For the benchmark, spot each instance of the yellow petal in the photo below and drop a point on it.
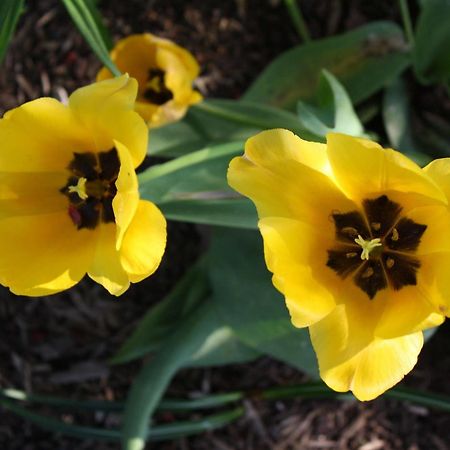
(285, 187)
(147, 111)
(280, 146)
(134, 55)
(106, 108)
(350, 358)
(434, 279)
(363, 169)
(126, 200)
(436, 237)
(169, 112)
(24, 194)
(144, 242)
(292, 254)
(106, 268)
(41, 136)
(406, 311)
(137, 55)
(43, 254)
(184, 56)
(181, 70)
(439, 171)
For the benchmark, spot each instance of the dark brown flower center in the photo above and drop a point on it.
(91, 188)
(390, 241)
(156, 90)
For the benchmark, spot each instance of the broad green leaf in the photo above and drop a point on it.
(150, 384)
(216, 121)
(175, 139)
(248, 302)
(249, 114)
(364, 60)
(193, 188)
(235, 212)
(397, 122)
(162, 319)
(432, 41)
(333, 111)
(88, 21)
(10, 11)
(222, 347)
(422, 140)
(189, 176)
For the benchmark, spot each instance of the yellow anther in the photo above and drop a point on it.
(368, 273)
(395, 235)
(80, 188)
(350, 231)
(376, 226)
(367, 246)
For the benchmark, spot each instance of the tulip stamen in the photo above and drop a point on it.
(367, 246)
(384, 240)
(79, 188)
(156, 91)
(395, 235)
(91, 188)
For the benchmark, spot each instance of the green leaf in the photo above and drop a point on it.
(222, 347)
(233, 212)
(165, 432)
(162, 319)
(364, 60)
(397, 122)
(216, 121)
(175, 139)
(194, 188)
(431, 51)
(150, 384)
(105, 35)
(248, 116)
(190, 176)
(426, 138)
(10, 11)
(88, 21)
(168, 404)
(333, 111)
(248, 302)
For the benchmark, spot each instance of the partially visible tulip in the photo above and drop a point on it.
(165, 73)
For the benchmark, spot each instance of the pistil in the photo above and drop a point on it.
(367, 246)
(80, 188)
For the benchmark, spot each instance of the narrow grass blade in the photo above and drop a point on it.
(157, 433)
(88, 23)
(10, 11)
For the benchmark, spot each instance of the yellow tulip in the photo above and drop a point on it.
(165, 73)
(358, 240)
(69, 201)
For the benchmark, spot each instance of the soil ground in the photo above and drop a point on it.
(61, 344)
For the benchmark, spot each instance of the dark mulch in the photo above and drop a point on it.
(61, 344)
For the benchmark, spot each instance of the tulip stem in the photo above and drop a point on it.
(407, 24)
(297, 19)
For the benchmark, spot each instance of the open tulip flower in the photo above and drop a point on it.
(358, 240)
(165, 73)
(69, 194)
